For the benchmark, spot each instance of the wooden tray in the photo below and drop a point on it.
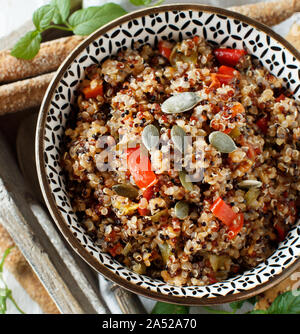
(72, 284)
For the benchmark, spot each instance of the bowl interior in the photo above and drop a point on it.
(217, 27)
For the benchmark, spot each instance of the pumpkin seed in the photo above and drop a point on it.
(222, 142)
(156, 217)
(185, 181)
(180, 103)
(150, 136)
(126, 190)
(177, 136)
(250, 183)
(181, 210)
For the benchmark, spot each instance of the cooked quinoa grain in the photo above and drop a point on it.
(212, 224)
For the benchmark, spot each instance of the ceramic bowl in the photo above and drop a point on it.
(172, 22)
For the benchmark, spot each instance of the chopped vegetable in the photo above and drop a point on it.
(226, 74)
(143, 212)
(165, 48)
(227, 70)
(140, 169)
(251, 196)
(228, 114)
(219, 262)
(223, 211)
(166, 251)
(280, 231)
(235, 133)
(262, 123)
(127, 249)
(157, 216)
(228, 217)
(116, 250)
(224, 78)
(93, 92)
(181, 210)
(280, 98)
(148, 193)
(229, 57)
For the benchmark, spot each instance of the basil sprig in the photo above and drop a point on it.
(5, 292)
(58, 15)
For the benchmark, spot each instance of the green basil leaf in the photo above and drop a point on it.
(85, 21)
(62, 11)
(3, 307)
(43, 16)
(237, 305)
(7, 251)
(165, 308)
(141, 2)
(28, 46)
(259, 312)
(286, 303)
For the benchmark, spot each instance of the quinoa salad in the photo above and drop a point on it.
(183, 161)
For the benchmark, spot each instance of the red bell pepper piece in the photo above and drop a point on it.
(228, 217)
(225, 75)
(93, 92)
(116, 249)
(262, 123)
(280, 232)
(140, 169)
(165, 48)
(148, 193)
(223, 211)
(196, 39)
(229, 57)
(215, 83)
(227, 70)
(143, 212)
(224, 78)
(212, 278)
(280, 97)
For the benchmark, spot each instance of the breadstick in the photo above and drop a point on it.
(294, 35)
(269, 13)
(19, 267)
(49, 58)
(23, 94)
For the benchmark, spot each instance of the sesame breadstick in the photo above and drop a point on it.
(269, 13)
(49, 58)
(24, 94)
(294, 35)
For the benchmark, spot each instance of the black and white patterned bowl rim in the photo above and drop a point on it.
(171, 25)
